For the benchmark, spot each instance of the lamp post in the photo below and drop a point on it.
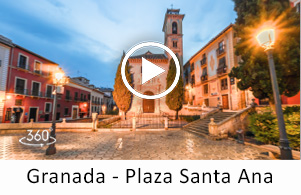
(59, 80)
(266, 39)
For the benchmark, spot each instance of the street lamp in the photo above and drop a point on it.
(266, 39)
(59, 80)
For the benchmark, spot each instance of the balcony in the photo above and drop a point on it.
(204, 78)
(21, 91)
(37, 72)
(36, 93)
(68, 98)
(48, 95)
(224, 87)
(22, 67)
(221, 70)
(203, 61)
(221, 50)
(76, 99)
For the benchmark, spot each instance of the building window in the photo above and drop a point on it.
(221, 47)
(192, 67)
(68, 96)
(8, 114)
(0, 63)
(35, 91)
(66, 112)
(37, 67)
(174, 28)
(58, 105)
(224, 84)
(22, 61)
(82, 97)
(75, 96)
(192, 80)
(89, 97)
(20, 86)
(47, 107)
(206, 89)
(175, 44)
(18, 102)
(49, 91)
(85, 98)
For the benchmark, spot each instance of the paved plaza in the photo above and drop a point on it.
(139, 145)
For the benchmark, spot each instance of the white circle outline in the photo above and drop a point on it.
(146, 44)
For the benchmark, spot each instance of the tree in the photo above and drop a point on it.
(122, 96)
(253, 70)
(174, 100)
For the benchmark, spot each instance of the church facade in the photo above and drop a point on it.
(173, 39)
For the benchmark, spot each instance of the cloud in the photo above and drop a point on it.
(97, 32)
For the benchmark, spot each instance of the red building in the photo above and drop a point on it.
(75, 102)
(29, 86)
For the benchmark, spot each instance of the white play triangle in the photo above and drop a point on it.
(150, 70)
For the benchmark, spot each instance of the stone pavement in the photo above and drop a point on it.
(140, 145)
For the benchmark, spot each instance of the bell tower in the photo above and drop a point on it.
(173, 33)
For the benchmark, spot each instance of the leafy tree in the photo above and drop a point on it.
(253, 70)
(174, 100)
(122, 96)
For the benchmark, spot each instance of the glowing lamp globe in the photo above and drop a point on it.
(266, 38)
(59, 75)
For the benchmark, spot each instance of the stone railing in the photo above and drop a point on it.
(9, 127)
(108, 121)
(204, 115)
(229, 125)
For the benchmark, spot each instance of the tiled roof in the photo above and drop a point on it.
(149, 55)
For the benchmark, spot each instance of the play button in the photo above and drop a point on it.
(150, 70)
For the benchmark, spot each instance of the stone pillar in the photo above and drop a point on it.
(212, 126)
(64, 120)
(134, 123)
(253, 106)
(165, 123)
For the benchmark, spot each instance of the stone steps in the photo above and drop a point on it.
(200, 127)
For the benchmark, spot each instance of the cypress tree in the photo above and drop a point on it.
(174, 100)
(253, 70)
(122, 96)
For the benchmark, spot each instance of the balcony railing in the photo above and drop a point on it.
(36, 93)
(221, 70)
(76, 98)
(48, 95)
(68, 98)
(24, 68)
(37, 71)
(21, 91)
(221, 50)
(204, 78)
(225, 87)
(204, 61)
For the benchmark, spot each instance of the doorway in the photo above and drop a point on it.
(74, 112)
(33, 113)
(148, 105)
(225, 102)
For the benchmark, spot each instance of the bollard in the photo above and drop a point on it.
(165, 123)
(240, 136)
(134, 123)
(94, 121)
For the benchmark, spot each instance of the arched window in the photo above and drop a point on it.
(174, 28)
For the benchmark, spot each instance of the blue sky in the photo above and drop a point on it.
(87, 37)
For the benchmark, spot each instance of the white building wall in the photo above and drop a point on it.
(4, 61)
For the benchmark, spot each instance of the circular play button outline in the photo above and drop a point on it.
(147, 44)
